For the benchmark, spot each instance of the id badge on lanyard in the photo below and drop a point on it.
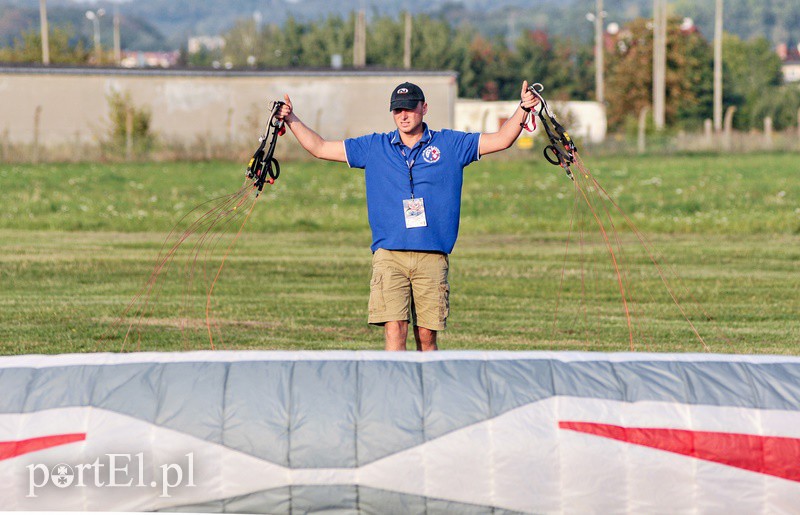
(413, 208)
(414, 212)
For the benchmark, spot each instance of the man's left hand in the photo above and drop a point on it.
(527, 99)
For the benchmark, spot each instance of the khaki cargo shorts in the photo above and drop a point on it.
(411, 286)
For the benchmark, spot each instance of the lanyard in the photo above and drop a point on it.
(410, 164)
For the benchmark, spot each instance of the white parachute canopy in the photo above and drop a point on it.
(464, 432)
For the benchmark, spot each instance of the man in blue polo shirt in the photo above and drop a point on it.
(413, 177)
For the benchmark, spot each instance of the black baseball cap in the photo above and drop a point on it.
(406, 96)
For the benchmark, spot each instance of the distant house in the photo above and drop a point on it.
(134, 59)
(198, 43)
(790, 58)
(791, 71)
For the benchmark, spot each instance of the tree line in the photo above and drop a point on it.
(492, 67)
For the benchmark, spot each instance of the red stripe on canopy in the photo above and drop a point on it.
(19, 447)
(772, 455)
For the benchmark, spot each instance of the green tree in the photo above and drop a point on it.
(289, 51)
(630, 77)
(324, 39)
(575, 62)
(482, 63)
(503, 72)
(435, 45)
(28, 48)
(461, 57)
(777, 20)
(432, 44)
(203, 58)
(697, 64)
(536, 59)
(487, 68)
(270, 52)
(751, 71)
(242, 41)
(563, 66)
(782, 105)
(385, 43)
(271, 46)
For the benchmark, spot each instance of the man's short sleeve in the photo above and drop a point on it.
(357, 150)
(466, 145)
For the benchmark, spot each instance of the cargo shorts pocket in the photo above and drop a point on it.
(444, 301)
(377, 304)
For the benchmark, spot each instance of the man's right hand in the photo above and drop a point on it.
(286, 108)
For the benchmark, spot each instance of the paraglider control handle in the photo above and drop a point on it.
(263, 166)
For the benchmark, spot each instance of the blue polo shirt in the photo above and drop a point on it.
(438, 161)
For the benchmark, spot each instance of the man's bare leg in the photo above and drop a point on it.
(426, 339)
(396, 334)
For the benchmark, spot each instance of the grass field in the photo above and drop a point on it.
(78, 241)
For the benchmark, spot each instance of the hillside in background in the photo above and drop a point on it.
(166, 24)
(135, 32)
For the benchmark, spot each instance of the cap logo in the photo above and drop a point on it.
(402, 91)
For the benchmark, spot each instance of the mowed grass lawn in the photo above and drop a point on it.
(78, 241)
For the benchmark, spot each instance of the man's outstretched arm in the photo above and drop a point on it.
(509, 132)
(315, 144)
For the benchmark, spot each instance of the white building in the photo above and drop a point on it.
(583, 120)
(198, 43)
(791, 71)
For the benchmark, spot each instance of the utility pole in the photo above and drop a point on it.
(599, 51)
(117, 48)
(360, 41)
(45, 32)
(407, 43)
(718, 67)
(510, 29)
(659, 62)
(94, 17)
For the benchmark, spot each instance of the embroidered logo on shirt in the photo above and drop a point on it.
(431, 154)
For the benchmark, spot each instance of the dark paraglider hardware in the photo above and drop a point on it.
(562, 150)
(263, 166)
